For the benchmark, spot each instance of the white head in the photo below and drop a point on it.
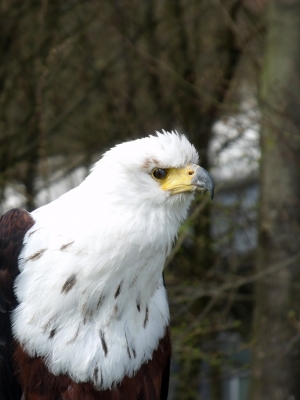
(154, 171)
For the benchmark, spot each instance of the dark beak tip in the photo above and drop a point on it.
(211, 193)
(204, 181)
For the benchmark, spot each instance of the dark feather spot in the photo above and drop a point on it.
(70, 282)
(96, 370)
(138, 306)
(118, 291)
(88, 315)
(75, 336)
(52, 333)
(128, 352)
(64, 246)
(133, 282)
(134, 353)
(47, 325)
(146, 317)
(83, 308)
(128, 349)
(100, 301)
(38, 254)
(103, 342)
(148, 162)
(32, 232)
(115, 310)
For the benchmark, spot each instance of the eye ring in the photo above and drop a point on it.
(159, 173)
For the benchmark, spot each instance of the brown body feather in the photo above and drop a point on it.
(13, 226)
(149, 383)
(29, 375)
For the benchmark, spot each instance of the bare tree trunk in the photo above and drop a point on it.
(276, 338)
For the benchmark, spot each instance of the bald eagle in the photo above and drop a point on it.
(83, 307)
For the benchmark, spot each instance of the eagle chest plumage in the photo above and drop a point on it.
(83, 307)
(33, 375)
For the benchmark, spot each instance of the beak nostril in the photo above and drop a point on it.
(191, 172)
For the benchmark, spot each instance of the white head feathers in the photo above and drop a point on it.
(166, 149)
(125, 170)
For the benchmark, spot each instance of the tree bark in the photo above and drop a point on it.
(276, 340)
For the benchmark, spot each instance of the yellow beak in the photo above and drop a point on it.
(188, 179)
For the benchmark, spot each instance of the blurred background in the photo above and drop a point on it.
(77, 77)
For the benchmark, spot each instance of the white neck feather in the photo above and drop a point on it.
(92, 300)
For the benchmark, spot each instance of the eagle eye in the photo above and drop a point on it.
(159, 173)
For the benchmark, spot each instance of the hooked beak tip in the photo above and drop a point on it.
(203, 181)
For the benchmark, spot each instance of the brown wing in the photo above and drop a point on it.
(13, 226)
(150, 382)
